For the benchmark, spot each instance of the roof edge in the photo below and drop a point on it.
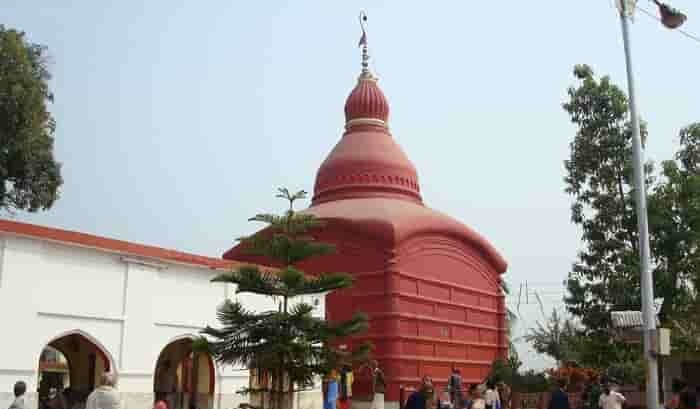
(75, 238)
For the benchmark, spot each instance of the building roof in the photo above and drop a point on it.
(396, 221)
(366, 161)
(369, 181)
(110, 245)
(366, 101)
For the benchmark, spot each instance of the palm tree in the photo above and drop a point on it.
(289, 345)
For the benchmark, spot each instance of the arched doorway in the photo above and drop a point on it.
(184, 378)
(54, 369)
(70, 367)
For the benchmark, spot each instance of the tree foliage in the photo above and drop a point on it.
(598, 176)
(508, 371)
(557, 338)
(289, 344)
(606, 274)
(511, 319)
(674, 213)
(29, 175)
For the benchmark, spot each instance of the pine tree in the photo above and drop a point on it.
(289, 345)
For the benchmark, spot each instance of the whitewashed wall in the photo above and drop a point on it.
(130, 307)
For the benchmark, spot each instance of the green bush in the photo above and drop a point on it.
(525, 382)
(627, 373)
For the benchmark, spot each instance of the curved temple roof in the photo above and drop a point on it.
(368, 179)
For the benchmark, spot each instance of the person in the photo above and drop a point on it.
(559, 398)
(504, 393)
(476, 400)
(166, 384)
(378, 386)
(454, 386)
(610, 399)
(423, 397)
(106, 396)
(56, 399)
(445, 401)
(346, 381)
(330, 390)
(19, 390)
(493, 400)
(677, 386)
(468, 397)
(160, 404)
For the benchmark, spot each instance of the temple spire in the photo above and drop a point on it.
(363, 43)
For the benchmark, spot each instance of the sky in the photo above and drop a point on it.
(176, 121)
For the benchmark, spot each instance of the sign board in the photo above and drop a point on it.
(663, 341)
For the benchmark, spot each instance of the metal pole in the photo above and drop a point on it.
(647, 282)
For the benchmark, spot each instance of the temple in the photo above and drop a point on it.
(430, 285)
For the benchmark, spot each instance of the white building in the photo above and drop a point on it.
(106, 304)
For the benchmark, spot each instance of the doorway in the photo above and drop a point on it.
(70, 367)
(184, 378)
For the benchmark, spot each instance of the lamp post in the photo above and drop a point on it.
(671, 19)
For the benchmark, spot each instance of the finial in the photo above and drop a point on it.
(363, 43)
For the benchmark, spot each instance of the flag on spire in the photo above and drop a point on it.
(363, 39)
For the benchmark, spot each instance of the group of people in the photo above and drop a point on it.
(337, 387)
(105, 396)
(602, 393)
(599, 395)
(486, 395)
(477, 396)
(337, 392)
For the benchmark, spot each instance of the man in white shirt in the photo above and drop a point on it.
(610, 399)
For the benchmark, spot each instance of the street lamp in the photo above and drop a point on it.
(670, 18)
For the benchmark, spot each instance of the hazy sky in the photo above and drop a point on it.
(178, 120)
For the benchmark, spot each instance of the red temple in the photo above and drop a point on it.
(430, 285)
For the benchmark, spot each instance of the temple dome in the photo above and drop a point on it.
(366, 162)
(366, 101)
